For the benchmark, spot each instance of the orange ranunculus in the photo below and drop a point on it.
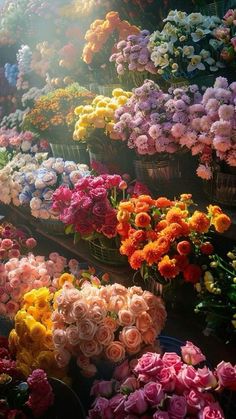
(142, 220)
(168, 267)
(136, 259)
(173, 231)
(151, 253)
(199, 222)
(161, 225)
(174, 215)
(184, 247)
(127, 247)
(141, 207)
(222, 223)
(123, 216)
(127, 205)
(123, 229)
(146, 198)
(163, 202)
(192, 273)
(138, 236)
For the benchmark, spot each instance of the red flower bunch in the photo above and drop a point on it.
(41, 395)
(166, 237)
(88, 209)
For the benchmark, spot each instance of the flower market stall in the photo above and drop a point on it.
(117, 209)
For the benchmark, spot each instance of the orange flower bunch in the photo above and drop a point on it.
(166, 237)
(102, 30)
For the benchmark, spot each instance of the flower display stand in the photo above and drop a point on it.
(107, 255)
(222, 188)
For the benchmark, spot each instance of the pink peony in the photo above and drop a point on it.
(191, 354)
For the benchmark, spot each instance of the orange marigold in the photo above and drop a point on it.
(175, 215)
(168, 267)
(127, 247)
(151, 253)
(142, 220)
(151, 235)
(222, 222)
(185, 228)
(136, 259)
(174, 231)
(163, 202)
(199, 222)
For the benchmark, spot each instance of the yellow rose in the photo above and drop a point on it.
(13, 341)
(65, 278)
(45, 360)
(37, 332)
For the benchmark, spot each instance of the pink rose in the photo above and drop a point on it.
(191, 354)
(213, 411)
(136, 403)
(171, 359)
(187, 378)
(86, 329)
(72, 334)
(102, 388)
(206, 378)
(161, 415)
(177, 408)
(104, 335)
(195, 401)
(90, 348)
(117, 405)
(6, 244)
(153, 393)
(226, 374)
(137, 305)
(130, 337)
(59, 338)
(131, 384)
(62, 357)
(149, 365)
(167, 378)
(100, 409)
(126, 318)
(122, 371)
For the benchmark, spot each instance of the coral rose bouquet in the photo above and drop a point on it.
(183, 47)
(166, 239)
(217, 296)
(104, 323)
(164, 387)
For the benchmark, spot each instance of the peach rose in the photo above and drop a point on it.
(137, 305)
(131, 337)
(111, 323)
(72, 334)
(135, 290)
(143, 322)
(115, 352)
(118, 289)
(104, 335)
(150, 299)
(116, 303)
(59, 338)
(79, 309)
(91, 348)
(149, 336)
(98, 314)
(87, 329)
(82, 361)
(126, 318)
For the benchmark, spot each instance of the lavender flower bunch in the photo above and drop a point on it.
(134, 55)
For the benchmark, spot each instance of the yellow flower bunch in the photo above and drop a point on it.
(31, 340)
(100, 115)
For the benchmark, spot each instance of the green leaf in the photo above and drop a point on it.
(69, 229)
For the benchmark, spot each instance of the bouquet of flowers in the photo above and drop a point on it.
(182, 48)
(20, 398)
(96, 121)
(25, 141)
(217, 296)
(153, 122)
(102, 38)
(225, 35)
(14, 242)
(211, 132)
(89, 209)
(53, 114)
(165, 239)
(14, 119)
(164, 386)
(109, 322)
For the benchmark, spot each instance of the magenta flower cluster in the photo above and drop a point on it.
(153, 121)
(134, 55)
(164, 387)
(88, 208)
(41, 396)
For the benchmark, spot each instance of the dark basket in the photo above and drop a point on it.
(169, 344)
(66, 404)
(216, 8)
(109, 256)
(222, 188)
(76, 152)
(156, 174)
(6, 325)
(52, 226)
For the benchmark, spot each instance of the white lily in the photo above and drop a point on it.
(199, 34)
(196, 64)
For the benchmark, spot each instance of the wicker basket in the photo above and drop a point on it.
(55, 227)
(216, 8)
(109, 256)
(76, 152)
(222, 188)
(156, 174)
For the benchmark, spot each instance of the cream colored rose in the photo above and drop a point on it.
(131, 337)
(104, 335)
(91, 348)
(143, 322)
(149, 336)
(126, 318)
(137, 305)
(115, 352)
(118, 289)
(79, 310)
(116, 303)
(135, 290)
(72, 334)
(87, 329)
